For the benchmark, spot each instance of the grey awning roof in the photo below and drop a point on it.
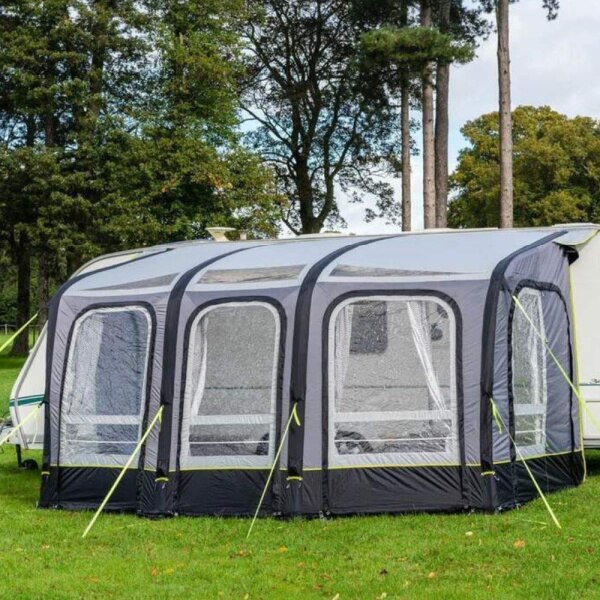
(447, 255)
(439, 254)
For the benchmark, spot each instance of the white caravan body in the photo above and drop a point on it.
(585, 289)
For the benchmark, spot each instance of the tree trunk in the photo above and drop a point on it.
(428, 134)
(96, 74)
(442, 126)
(405, 131)
(406, 175)
(309, 222)
(74, 262)
(30, 131)
(87, 110)
(21, 343)
(22, 259)
(506, 166)
(43, 286)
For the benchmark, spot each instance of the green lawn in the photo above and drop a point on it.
(514, 555)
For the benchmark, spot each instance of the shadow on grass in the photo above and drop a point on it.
(592, 458)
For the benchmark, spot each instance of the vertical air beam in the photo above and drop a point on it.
(300, 357)
(167, 387)
(488, 343)
(48, 486)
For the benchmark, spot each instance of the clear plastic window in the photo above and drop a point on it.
(231, 386)
(529, 374)
(397, 403)
(104, 387)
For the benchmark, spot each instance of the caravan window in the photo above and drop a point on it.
(394, 404)
(231, 386)
(105, 386)
(369, 328)
(529, 373)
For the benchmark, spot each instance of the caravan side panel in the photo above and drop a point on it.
(585, 281)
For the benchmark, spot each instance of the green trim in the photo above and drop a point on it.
(26, 400)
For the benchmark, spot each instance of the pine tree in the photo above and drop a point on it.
(396, 53)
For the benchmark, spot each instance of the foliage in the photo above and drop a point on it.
(550, 6)
(413, 47)
(392, 48)
(556, 173)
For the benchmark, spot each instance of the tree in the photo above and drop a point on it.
(312, 118)
(201, 175)
(501, 8)
(395, 79)
(556, 173)
(118, 128)
(26, 86)
(395, 58)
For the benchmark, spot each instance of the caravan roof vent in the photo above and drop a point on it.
(218, 233)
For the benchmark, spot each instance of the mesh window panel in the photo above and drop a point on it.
(231, 387)
(394, 402)
(104, 387)
(254, 275)
(342, 270)
(529, 374)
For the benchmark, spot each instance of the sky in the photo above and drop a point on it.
(553, 63)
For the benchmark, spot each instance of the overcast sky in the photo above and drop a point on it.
(553, 63)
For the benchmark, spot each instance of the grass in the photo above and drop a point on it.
(519, 554)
